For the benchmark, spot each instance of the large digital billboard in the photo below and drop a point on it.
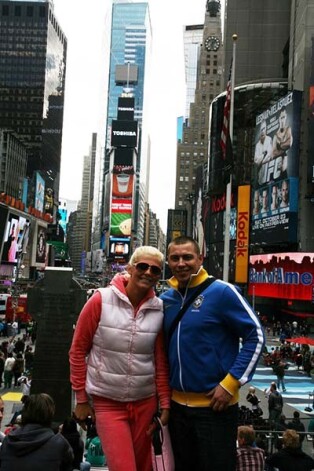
(124, 133)
(16, 238)
(275, 172)
(282, 275)
(40, 248)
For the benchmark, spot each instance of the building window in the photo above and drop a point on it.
(5, 10)
(18, 10)
(29, 11)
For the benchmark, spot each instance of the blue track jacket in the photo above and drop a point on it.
(218, 340)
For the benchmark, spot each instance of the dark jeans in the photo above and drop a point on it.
(202, 439)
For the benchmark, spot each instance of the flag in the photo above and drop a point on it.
(225, 133)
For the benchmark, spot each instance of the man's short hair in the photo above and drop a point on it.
(247, 434)
(296, 414)
(181, 240)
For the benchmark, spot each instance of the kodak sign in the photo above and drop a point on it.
(243, 227)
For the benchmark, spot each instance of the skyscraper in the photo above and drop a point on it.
(193, 38)
(129, 54)
(192, 151)
(32, 79)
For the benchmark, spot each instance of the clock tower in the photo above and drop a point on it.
(192, 150)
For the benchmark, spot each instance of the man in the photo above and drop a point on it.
(291, 457)
(256, 203)
(275, 405)
(283, 138)
(298, 426)
(284, 194)
(265, 205)
(264, 147)
(249, 457)
(274, 198)
(207, 367)
(279, 370)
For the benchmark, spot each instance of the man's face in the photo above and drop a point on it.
(282, 120)
(184, 261)
(265, 199)
(284, 191)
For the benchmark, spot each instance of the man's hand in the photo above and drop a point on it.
(81, 412)
(220, 398)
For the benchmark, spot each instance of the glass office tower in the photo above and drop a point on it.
(32, 79)
(128, 59)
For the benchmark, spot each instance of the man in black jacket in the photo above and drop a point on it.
(275, 405)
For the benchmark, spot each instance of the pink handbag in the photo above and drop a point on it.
(162, 455)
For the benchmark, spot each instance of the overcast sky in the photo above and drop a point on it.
(83, 24)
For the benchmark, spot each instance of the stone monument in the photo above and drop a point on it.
(55, 303)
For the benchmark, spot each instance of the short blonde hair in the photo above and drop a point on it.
(291, 439)
(146, 251)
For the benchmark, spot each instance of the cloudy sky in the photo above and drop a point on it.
(83, 24)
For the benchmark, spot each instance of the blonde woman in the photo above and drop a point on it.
(125, 377)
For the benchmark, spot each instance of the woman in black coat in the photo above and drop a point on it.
(70, 432)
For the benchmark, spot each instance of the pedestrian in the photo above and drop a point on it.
(2, 361)
(8, 370)
(119, 331)
(249, 456)
(34, 446)
(275, 405)
(290, 457)
(279, 370)
(298, 426)
(254, 401)
(18, 368)
(207, 364)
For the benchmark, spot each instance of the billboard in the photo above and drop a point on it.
(124, 133)
(121, 217)
(39, 192)
(16, 238)
(282, 275)
(40, 248)
(243, 225)
(126, 108)
(275, 172)
(119, 247)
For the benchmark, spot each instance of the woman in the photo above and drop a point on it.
(120, 332)
(34, 446)
(253, 400)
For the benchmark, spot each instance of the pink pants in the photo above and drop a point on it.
(122, 427)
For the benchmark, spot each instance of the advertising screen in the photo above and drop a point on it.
(119, 247)
(16, 238)
(39, 192)
(275, 172)
(39, 254)
(126, 108)
(282, 275)
(124, 133)
(121, 201)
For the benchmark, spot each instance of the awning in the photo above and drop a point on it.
(301, 340)
(297, 313)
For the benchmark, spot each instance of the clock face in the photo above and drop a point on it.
(212, 43)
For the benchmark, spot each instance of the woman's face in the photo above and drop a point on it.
(145, 273)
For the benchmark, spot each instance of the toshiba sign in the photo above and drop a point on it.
(124, 133)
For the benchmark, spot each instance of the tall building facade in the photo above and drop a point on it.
(193, 149)
(263, 30)
(193, 39)
(130, 41)
(33, 51)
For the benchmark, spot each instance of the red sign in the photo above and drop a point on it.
(282, 275)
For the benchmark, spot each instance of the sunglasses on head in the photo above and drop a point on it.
(142, 267)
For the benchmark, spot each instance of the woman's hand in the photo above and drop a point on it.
(81, 412)
(164, 416)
